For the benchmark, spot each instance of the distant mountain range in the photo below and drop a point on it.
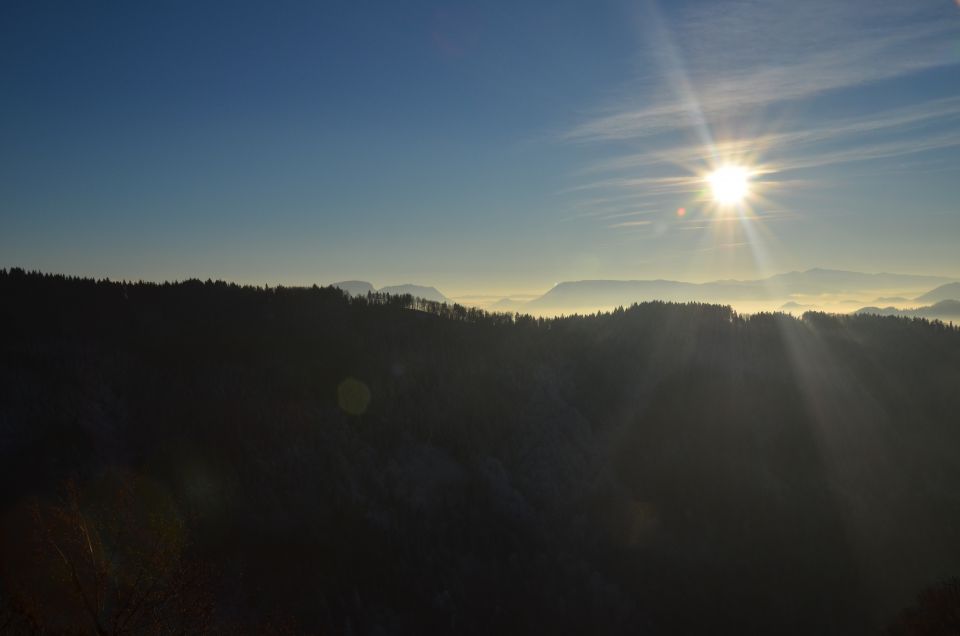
(945, 299)
(950, 291)
(798, 290)
(361, 288)
(593, 294)
(943, 310)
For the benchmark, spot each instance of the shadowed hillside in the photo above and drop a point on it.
(296, 459)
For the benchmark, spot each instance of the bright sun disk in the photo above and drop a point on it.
(730, 184)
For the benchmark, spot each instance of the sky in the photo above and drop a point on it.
(485, 148)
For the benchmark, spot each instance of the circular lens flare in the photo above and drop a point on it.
(730, 184)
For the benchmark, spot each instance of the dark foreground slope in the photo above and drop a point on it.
(357, 466)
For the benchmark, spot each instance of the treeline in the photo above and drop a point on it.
(298, 460)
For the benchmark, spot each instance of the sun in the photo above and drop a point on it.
(730, 184)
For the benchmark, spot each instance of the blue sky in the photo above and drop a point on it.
(485, 148)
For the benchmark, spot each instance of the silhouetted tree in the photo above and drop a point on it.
(937, 613)
(108, 560)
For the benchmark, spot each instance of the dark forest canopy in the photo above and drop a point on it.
(297, 459)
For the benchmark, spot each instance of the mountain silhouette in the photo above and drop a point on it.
(601, 294)
(943, 310)
(950, 291)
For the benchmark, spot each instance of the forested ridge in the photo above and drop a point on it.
(293, 460)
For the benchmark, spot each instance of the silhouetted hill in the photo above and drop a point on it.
(950, 291)
(387, 465)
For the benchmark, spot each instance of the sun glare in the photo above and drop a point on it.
(730, 184)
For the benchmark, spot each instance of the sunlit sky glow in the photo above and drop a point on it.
(483, 148)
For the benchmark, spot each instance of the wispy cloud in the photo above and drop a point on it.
(648, 184)
(803, 146)
(630, 224)
(744, 54)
